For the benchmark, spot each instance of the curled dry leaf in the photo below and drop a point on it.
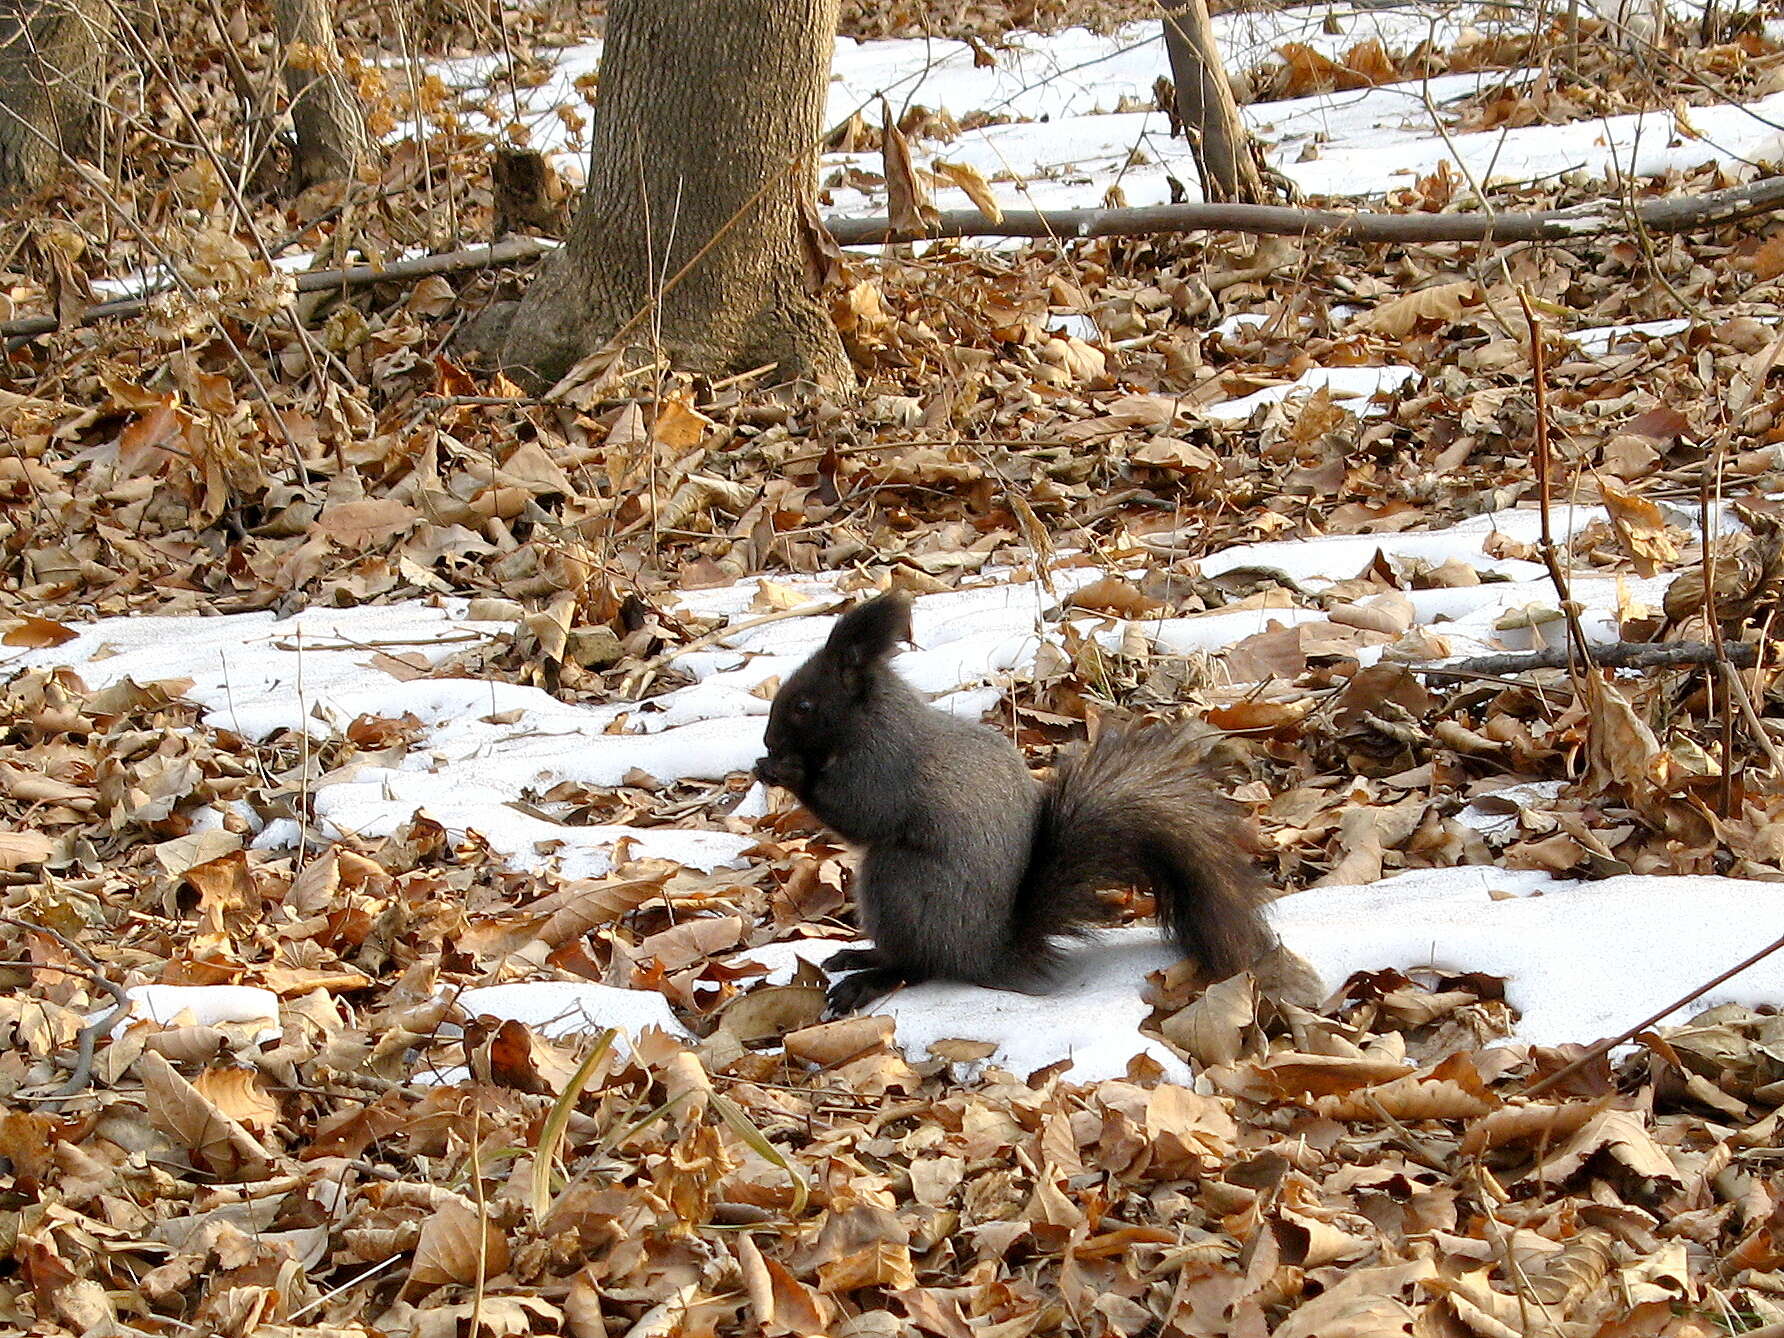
(1619, 1134)
(836, 1042)
(1438, 304)
(772, 1010)
(35, 633)
(976, 187)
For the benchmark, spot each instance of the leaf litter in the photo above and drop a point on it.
(376, 1149)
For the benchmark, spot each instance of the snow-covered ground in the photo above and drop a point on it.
(1071, 124)
(1583, 960)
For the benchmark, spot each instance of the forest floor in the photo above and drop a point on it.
(385, 731)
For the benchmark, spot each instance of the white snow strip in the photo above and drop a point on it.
(1582, 961)
(1347, 385)
(204, 1006)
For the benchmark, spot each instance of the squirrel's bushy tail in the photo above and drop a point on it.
(1135, 809)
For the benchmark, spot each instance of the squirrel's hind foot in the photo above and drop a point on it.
(852, 992)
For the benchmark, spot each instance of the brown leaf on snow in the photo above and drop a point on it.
(1642, 532)
(907, 199)
(692, 941)
(1218, 1027)
(976, 187)
(837, 1042)
(773, 1010)
(35, 633)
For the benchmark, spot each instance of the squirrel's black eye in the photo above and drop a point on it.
(803, 705)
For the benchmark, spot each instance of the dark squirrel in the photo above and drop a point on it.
(972, 869)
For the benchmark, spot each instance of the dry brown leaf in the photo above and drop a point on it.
(679, 425)
(241, 1094)
(457, 1246)
(1438, 304)
(1642, 532)
(1621, 1135)
(692, 941)
(773, 1010)
(1175, 454)
(907, 199)
(36, 633)
(357, 525)
(1217, 1027)
(184, 1113)
(837, 1042)
(1364, 1303)
(976, 187)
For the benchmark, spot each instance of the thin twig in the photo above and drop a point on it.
(1605, 1046)
(1570, 611)
(82, 1072)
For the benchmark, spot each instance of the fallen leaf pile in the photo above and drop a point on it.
(375, 1155)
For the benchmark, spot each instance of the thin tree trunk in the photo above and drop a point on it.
(704, 158)
(1206, 107)
(52, 53)
(331, 136)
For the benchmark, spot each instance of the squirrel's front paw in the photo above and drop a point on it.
(851, 992)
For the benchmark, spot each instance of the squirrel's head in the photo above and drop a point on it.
(818, 709)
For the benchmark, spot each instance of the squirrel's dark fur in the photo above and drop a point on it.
(972, 869)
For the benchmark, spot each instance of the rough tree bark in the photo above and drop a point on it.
(51, 56)
(706, 128)
(1206, 107)
(331, 135)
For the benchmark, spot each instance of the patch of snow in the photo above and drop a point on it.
(203, 1005)
(1345, 384)
(1600, 339)
(1090, 1017)
(1584, 960)
(559, 1008)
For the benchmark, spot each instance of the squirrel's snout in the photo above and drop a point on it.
(784, 771)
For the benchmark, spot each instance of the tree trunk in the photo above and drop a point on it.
(706, 127)
(331, 136)
(1206, 107)
(51, 55)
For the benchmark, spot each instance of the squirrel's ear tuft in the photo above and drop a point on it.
(871, 631)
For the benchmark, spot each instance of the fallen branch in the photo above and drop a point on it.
(314, 281)
(1616, 655)
(1674, 214)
